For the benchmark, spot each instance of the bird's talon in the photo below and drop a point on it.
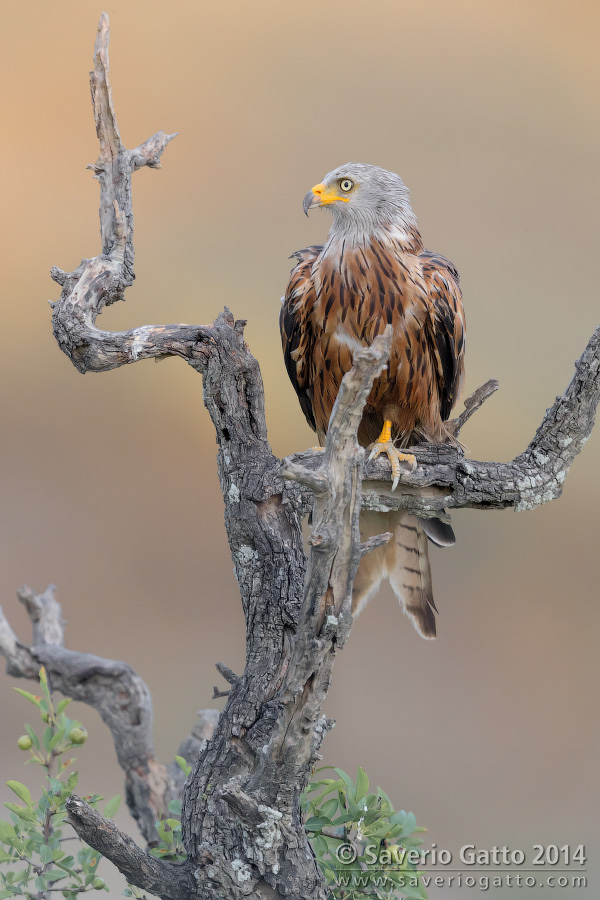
(395, 457)
(411, 459)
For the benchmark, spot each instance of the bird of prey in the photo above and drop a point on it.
(374, 271)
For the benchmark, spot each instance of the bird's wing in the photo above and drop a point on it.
(296, 334)
(445, 327)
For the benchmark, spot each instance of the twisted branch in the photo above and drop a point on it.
(118, 694)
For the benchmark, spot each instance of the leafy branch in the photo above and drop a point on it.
(34, 833)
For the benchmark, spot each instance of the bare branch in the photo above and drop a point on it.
(45, 614)
(472, 404)
(217, 694)
(229, 676)
(376, 541)
(98, 282)
(166, 880)
(20, 662)
(446, 480)
(114, 690)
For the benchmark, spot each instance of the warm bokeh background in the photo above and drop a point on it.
(107, 483)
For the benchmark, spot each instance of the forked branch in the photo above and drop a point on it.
(116, 692)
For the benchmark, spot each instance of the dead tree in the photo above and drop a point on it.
(241, 822)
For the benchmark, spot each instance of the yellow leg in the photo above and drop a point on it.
(384, 444)
(386, 433)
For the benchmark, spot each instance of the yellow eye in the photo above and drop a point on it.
(346, 184)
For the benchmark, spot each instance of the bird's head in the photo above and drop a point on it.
(362, 198)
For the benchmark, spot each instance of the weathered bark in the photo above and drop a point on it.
(241, 821)
(119, 695)
(445, 480)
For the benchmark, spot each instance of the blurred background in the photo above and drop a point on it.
(108, 483)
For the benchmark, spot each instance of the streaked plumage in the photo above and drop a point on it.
(374, 271)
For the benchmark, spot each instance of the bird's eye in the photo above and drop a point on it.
(346, 184)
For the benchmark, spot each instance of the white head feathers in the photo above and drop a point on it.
(374, 200)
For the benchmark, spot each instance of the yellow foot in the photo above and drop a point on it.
(318, 447)
(384, 444)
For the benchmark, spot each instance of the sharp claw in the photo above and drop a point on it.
(395, 457)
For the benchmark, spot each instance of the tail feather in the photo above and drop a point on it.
(404, 560)
(410, 575)
(438, 532)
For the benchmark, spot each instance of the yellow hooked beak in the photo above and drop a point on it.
(321, 195)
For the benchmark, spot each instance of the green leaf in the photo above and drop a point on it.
(56, 785)
(319, 845)
(410, 842)
(398, 818)
(44, 684)
(343, 820)
(54, 875)
(330, 808)
(410, 824)
(27, 815)
(112, 806)
(41, 883)
(165, 833)
(21, 791)
(333, 786)
(72, 781)
(22, 875)
(182, 763)
(31, 697)
(62, 705)
(315, 823)
(47, 738)
(348, 788)
(321, 769)
(346, 779)
(45, 853)
(71, 872)
(15, 842)
(362, 783)
(6, 831)
(58, 736)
